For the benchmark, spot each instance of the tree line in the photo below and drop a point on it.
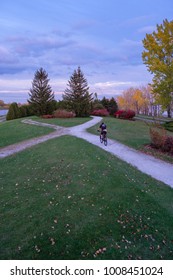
(76, 98)
(140, 100)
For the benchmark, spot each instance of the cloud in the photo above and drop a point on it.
(84, 24)
(110, 88)
(25, 53)
(113, 84)
(7, 22)
(14, 85)
(61, 33)
(64, 36)
(6, 56)
(146, 29)
(136, 20)
(25, 45)
(130, 43)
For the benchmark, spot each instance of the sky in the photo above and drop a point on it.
(103, 37)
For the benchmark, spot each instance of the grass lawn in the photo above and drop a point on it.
(15, 131)
(134, 134)
(66, 199)
(66, 122)
(161, 118)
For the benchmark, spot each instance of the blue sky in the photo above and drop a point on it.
(103, 37)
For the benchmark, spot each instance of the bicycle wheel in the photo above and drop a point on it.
(101, 139)
(105, 141)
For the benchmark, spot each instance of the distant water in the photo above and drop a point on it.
(3, 112)
(9, 97)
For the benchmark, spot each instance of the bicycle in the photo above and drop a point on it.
(103, 138)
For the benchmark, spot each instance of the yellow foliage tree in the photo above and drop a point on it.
(138, 99)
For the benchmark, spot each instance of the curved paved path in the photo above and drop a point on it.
(156, 168)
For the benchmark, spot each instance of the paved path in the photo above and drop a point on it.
(2, 118)
(156, 168)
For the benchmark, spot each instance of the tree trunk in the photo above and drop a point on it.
(169, 111)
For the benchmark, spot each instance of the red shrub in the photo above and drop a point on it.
(125, 114)
(100, 112)
(160, 140)
(47, 116)
(158, 137)
(63, 114)
(168, 144)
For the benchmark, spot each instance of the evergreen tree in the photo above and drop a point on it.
(41, 95)
(110, 105)
(13, 112)
(76, 95)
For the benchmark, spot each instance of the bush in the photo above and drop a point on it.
(100, 112)
(13, 112)
(160, 140)
(125, 114)
(97, 106)
(63, 114)
(26, 110)
(168, 144)
(47, 116)
(158, 137)
(168, 125)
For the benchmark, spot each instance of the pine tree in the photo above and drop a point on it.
(110, 104)
(76, 95)
(41, 95)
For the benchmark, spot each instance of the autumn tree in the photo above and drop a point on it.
(150, 105)
(125, 100)
(76, 96)
(2, 104)
(139, 100)
(158, 56)
(41, 95)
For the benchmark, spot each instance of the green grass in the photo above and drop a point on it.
(66, 199)
(66, 122)
(134, 134)
(131, 133)
(15, 131)
(160, 118)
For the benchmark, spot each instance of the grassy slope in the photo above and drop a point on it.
(65, 199)
(15, 131)
(65, 122)
(134, 134)
(130, 133)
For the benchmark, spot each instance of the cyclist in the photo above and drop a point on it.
(103, 129)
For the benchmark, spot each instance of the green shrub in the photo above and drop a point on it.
(168, 125)
(16, 112)
(13, 112)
